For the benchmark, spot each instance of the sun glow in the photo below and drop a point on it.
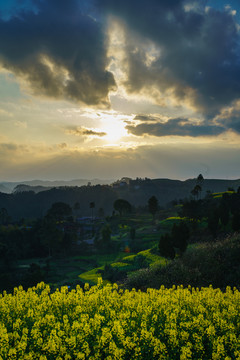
(114, 128)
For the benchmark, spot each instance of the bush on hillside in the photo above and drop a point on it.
(216, 263)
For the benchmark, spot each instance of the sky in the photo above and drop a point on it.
(107, 88)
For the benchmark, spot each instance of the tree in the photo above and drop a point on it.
(236, 222)
(200, 179)
(103, 242)
(76, 207)
(196, 190)
(213, 222)
(165, 246)
(198, 187)
(4, 217)
(49, 235)
(180, 235)
(235, 203)
(122, 206)
(59, 211)
(92, 207)
(153, 205)
(192, 209)
(224, 215)
(106, 234)
(101, 213)
(140, 262)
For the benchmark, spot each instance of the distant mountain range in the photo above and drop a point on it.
(42, 185)
(28, 201)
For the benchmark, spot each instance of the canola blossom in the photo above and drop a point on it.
(104, 322)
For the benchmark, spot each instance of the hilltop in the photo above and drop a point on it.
(32, 201)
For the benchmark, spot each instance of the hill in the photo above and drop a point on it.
(8, 187)
(28, 204)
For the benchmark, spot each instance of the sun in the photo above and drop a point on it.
(114, 128)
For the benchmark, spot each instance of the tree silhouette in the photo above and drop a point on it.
(196, 190)
(213, 222)
(224, 215)
(59, 211)
(4, 217)
(101, 213)
(153, 205)
(180, 234)
(104, 241)
(92, 207)
(122, 206)
(200, 179)
(76, 207)
(50, 235)
(165, 246)
(236, 222)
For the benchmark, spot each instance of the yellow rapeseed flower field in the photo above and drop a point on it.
(103, 322)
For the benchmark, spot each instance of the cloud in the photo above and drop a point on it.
(81, 131)
(62, 146)
(150, 118)
(60, 51)
(21, 124)
(198, 52)
(230, 117)
(176, 127)
(5, 113)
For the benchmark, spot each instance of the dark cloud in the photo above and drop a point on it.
(199, 51)
(60, 50)
(145, 118)
(81, 131)
(176, 127)
(93, 133)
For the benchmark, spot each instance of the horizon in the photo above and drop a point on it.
(119, 88)
(113, 180)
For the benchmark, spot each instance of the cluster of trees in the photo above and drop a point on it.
(220, 212)
(32, 205)
(44, 238)
(177, 240)
(197, 190)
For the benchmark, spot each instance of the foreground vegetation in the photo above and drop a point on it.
(216, 263)
(150, 246)
(103, 322)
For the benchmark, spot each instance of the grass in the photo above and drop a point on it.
(113, 259)
(129, 258)
(126, 265)
(152, 258)
(92, 276)
(218, 195)
(119, 264)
